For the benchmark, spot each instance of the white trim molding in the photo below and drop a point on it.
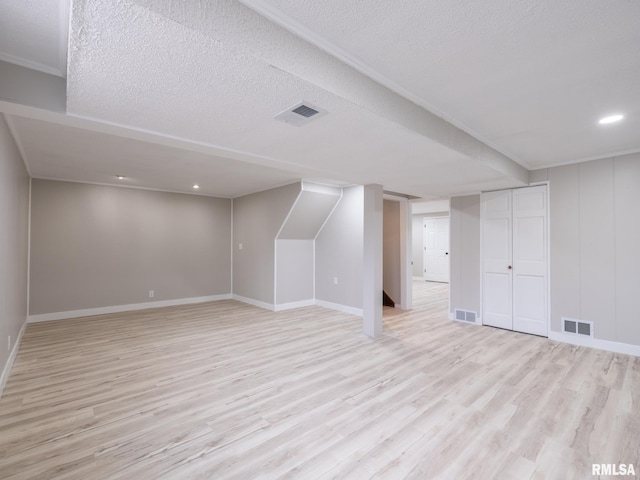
(6, 371)
(302, 303)
(299, 304)
(255, 303)
(340, 308)
(88, 312)
(585, 341)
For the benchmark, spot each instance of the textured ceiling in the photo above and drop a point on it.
(217, 74)
(426, 98)
(33, 33)
(531, 78)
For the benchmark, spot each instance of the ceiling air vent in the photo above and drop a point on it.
(305, 111)
(300, 114)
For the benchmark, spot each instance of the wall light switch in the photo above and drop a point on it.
(152, 294)
(239, 246)
(335, 280)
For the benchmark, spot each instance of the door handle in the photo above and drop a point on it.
(509, 267)
(446, 253)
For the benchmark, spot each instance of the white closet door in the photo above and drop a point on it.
(530, 260)
(497, 254)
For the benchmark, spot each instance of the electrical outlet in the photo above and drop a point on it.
(152, 294)
(239, 246)
(335, 280)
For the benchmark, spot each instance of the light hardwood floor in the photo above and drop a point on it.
(225, 390)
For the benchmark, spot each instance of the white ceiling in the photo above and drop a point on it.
(34, 34)
(530, 78)
(527, 80)
(67, 153)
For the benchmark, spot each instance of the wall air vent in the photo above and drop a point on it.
(300, 113)
(577, 327)
(465, 316)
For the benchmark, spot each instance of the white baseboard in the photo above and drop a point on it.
(255, 303)
(607, 345)
(418, 279)
(302, 303)
(12, 358)
(288, 306)
(584, 341)
(341, 308)
(88, 312)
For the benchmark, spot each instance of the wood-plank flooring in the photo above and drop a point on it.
(228, 391)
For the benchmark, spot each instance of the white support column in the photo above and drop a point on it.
(372, 265)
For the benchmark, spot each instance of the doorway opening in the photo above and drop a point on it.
(430, 254)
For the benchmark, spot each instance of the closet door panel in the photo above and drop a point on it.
(497, 309)
(530, 251)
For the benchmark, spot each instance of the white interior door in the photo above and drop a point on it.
(530, 260)
(497, 269)
(436, 249)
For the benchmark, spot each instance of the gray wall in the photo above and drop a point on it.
(257, 218)
(464, 241)
(97, 246)
(339, 252)
(417, 245)
(595, 239)
(14, 226)
(391, 277)
(294, 267)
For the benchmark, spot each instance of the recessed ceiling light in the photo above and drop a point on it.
(120, 177)
(610, 119)
(196, 186)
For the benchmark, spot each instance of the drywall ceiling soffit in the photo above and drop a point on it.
(34, 34)
(216, 72)
(307, 215)
(530, 78)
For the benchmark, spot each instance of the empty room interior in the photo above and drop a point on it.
(319, 240)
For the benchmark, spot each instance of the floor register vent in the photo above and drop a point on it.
(466, 316)
(577, 327)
